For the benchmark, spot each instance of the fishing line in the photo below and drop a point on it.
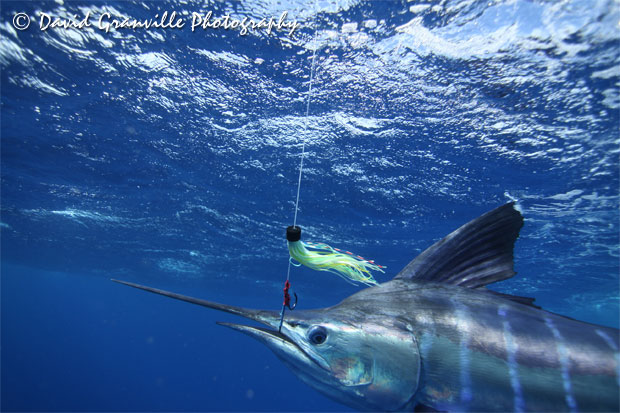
(287, 284)
(316, 255)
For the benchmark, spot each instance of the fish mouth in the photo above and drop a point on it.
(285, 348)
(272, 337)
(261, 334)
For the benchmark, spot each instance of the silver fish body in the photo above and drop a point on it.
(486, 353)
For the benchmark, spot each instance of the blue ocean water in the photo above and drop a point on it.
(169, 157)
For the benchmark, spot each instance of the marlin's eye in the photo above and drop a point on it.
(317, 335)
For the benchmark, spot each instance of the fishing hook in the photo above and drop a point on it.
(294, 305)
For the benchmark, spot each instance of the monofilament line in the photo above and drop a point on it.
(303, 139)
(303, 136)
(301, 162)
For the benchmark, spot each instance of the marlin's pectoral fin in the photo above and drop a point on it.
(353, 371)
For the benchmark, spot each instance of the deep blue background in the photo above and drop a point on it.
(170, 158)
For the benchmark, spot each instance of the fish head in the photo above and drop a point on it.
(368, 363)
(366, 359)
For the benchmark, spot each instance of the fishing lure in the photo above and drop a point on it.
(322, 257)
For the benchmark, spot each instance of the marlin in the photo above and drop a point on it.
(436, 339)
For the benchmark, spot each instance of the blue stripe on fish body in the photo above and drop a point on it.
(609, 341)
(464, 353)
(511, 349)
(564, 365)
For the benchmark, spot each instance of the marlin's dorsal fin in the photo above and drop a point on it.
(478, 253)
